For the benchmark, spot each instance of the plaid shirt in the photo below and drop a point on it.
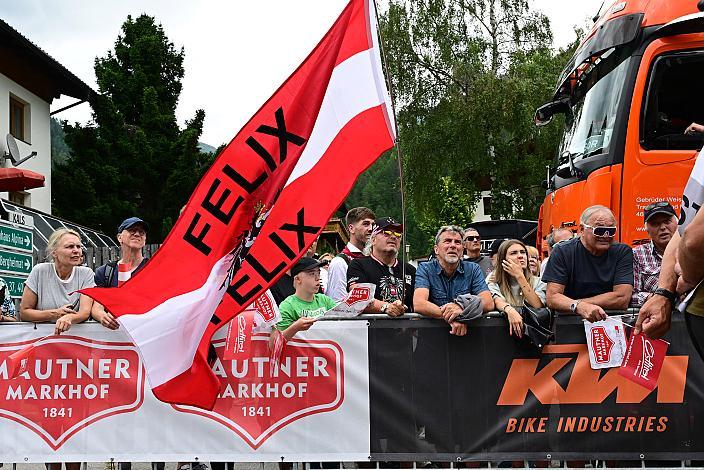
(646, 270)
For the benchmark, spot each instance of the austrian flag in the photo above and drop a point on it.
(265, 199)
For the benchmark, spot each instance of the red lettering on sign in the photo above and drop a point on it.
(264, 304)
(358, 294)
(257, 400)
(69, 383)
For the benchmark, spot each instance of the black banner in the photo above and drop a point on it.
(486, 396)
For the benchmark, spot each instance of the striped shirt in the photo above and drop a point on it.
(646, 270)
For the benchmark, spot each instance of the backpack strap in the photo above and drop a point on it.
(109, 271)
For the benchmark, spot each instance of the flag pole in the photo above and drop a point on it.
(399, 158)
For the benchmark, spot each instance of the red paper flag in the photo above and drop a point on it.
(643, 361)
(276, 350)
(238, 343)
(18, 361)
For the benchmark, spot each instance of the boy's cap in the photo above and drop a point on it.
(305, 264)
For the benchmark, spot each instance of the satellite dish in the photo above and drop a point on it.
(14, 152)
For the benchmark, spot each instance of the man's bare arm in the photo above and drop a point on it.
(618, 299)
(556, 298)
(422, 305)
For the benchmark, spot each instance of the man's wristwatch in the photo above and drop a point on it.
(384, 307)
(573, 307)
(669, 295)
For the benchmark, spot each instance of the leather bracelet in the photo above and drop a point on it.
(669, 295)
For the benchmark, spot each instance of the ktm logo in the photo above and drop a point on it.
(586, 385)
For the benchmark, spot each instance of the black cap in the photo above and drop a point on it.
(660, 207)
(494, 248)
(384, 223)
(305, 264)
(127, 223)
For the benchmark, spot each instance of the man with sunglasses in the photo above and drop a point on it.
(394, 293)
(660, 223)
(472, 250)
(590, 274)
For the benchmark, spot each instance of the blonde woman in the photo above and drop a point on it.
(50, 290)
(513, 284)
(534, 260)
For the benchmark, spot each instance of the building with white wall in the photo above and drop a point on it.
(30, 80)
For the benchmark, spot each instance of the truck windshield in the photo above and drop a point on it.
(595, 104)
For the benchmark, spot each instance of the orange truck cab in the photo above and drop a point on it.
(632, 88)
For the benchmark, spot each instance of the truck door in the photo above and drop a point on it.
(668, 97)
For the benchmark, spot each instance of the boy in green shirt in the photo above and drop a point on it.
(300, 310)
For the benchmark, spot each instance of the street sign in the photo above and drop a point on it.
(20, 218)
(15, 285)
(16, 238)
(15, 263)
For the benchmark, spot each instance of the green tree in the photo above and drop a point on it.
(379, 189)
(467, 76)
(132, 159)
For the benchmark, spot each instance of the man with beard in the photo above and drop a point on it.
(441, 280)
(359, 222)
(660, 223)
(437, 356)
(393, 295)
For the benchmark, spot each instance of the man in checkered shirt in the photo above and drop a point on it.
(660, 223)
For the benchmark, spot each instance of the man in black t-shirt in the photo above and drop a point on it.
(591, 273)
(393, 296)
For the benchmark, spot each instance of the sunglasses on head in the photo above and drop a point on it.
(472, 238)
(652, 206)
(602, 231)
(391, 233)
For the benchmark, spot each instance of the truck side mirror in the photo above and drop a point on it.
(544, 114)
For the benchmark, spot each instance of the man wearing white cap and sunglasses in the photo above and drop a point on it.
(591, 273)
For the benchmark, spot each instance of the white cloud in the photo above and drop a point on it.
(237, 52)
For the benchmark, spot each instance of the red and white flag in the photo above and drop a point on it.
(124, 272)
(262, 203)
(606, 342)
